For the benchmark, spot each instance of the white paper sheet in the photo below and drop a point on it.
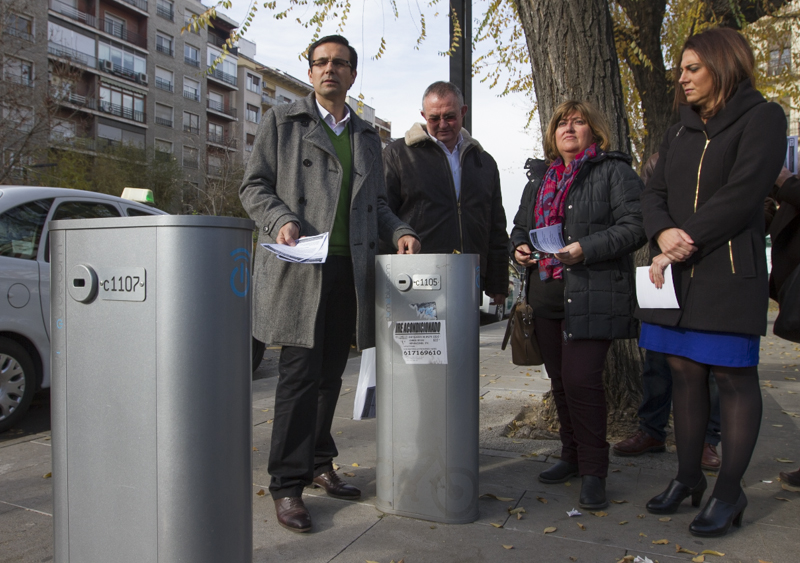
(547, 239)
(308, 250)
(651, 298)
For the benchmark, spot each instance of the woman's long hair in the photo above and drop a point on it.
(729, 59)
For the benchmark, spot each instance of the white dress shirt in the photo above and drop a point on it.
(331, 121)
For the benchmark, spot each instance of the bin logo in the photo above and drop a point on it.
(240, 276)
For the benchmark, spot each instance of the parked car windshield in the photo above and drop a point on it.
(21, 229)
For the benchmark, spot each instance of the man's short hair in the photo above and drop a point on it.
(442, 89)
(334, 39)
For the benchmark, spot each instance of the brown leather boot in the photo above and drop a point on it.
(335, 487)
(638, 444)
(710, 458)
(792, 478)
(293, 514)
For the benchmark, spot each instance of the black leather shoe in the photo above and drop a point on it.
(593, 493)
(335, 487)
(669, 501)
(716, 518)
(560, 472)
(293, 514)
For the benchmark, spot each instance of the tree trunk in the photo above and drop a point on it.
(571, 46)
(573, 56)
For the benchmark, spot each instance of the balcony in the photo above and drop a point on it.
(223, 77)
(190, 129)
(162, 84)
(220, 107)
(112, 28)
(140, 4)
(224, 140)
(75, 100)
(163, 121)
(77, 143)
(72, 55)
(193, 62)
(192, 95)
(165, 49)
(166, 11)
(120, 111)
(218, 41)
(114, 68)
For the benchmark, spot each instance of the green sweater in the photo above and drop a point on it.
(339, 239)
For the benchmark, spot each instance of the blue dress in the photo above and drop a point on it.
(727, 349)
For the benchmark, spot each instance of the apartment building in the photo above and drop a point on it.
(367, 113)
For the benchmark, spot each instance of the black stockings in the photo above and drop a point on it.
(740, 403)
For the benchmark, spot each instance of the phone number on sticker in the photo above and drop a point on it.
(422, 352)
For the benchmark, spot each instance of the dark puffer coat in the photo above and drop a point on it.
(711, 181)
(603, 214)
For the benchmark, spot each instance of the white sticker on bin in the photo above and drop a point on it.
(422, 342)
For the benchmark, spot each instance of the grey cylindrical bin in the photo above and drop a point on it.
(151, 394)
(427, 327)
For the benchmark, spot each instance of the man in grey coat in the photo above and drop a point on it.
(316, 168)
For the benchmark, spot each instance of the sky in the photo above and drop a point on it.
(394, 84)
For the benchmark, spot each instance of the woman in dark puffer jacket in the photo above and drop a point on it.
(703, 212)
(582, 296)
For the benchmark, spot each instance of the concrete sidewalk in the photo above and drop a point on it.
(357, 532)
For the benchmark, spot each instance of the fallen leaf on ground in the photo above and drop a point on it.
(47, 475)
(354, 465)
(497, 525)
(508, 546)
(790, 488)
(781, 498)
(519, 516)
(517, 510)
(642, 535)
(368, 561)
(336, 467)
(793, 414)
(762, 561)
(698, 559)
(600, 514)
(782, 460)
(712, 552)
(640, 515)
(495, 497)
(661, 542)
(550, 530)
(616, 470)
(567, 484)
(665, 519)
(542, 500)
(269, 421)
(790, 378)
(778, 425)
(619, 501)
(255, 449)
(261, 492)
(581, 526)
(264, 410)
(623, 522)
(349, 474)
(433, 527)
(679, 549)
(571, 558)
(339, 433)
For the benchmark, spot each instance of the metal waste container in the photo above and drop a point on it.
(427, 328)
(151, 393)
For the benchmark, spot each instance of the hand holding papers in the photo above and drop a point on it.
(547, 239)
(308, 250)
(651, 298)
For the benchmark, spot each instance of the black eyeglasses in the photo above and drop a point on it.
(338, 64)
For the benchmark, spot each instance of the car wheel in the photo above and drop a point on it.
(17, 383)
(258, 353)
(500, 312)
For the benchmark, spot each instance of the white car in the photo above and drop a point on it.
(25, 214)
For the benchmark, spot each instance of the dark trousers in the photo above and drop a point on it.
(575, 368)
(657, 399)
(309, 381)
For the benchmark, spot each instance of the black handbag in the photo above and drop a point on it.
(524, 347)
(787, 324)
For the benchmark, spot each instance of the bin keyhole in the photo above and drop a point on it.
(79, 283)
(403, 282)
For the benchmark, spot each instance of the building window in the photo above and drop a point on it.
(18, 71)
(123, 62)
(163, 150)
(20, 117)
(253, 83)
(189, 157)
(249, 142)
(19, 26)
(252, 113)
(166, 10)
(191, 89)
(63, 130)
(114, 26)
(216, 134)
(164, 44)
(63, 42)
(164, 115)
(116, 136)
(779, 59)
(187, 21)
(164, 79)
(122, 103)
(191, 55)
(191, 123)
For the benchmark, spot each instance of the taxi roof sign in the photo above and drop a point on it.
(139, 195)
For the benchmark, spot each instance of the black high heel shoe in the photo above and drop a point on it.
(717, 517)
(669, 501)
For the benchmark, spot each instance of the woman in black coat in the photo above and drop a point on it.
(582, 295)
(703, 213)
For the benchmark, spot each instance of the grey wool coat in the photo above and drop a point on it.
(294, 175)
